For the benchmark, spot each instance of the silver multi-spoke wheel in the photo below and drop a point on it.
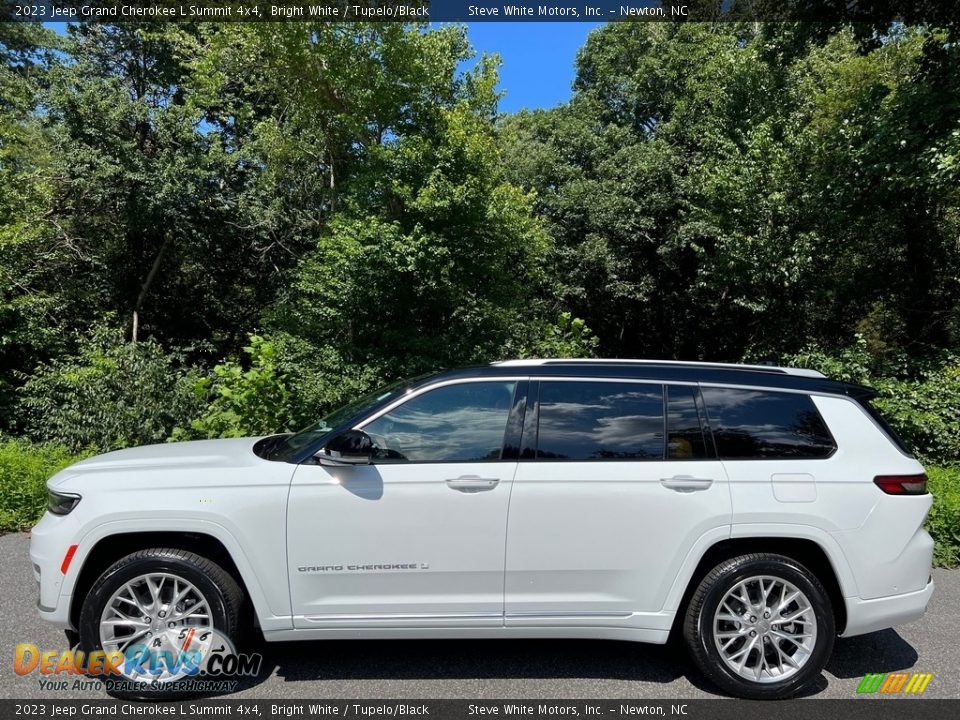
(765, 629)
(159, 611)
(168, 613)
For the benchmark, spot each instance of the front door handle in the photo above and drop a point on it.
(472, 483)
(686, 483)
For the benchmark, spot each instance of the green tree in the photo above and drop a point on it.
(765, 185)
(242, 401)
(421, 255)
(112, 394)
(147, 196)
(30, 257)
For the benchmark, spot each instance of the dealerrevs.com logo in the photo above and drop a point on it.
(899, 683)
(204, 662)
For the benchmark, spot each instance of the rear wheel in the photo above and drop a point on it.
(165, 610)
(760, 626)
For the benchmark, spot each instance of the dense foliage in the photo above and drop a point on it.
(944, 519)
(335, 192)
(716, 191)
(228, 229)
(111, 394)
(24, 471)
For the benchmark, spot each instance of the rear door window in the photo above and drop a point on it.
(761, 424)
(600, 421)
(685, 438)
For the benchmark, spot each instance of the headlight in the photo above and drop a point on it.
(61, 503)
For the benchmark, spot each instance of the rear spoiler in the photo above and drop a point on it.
(861, 393)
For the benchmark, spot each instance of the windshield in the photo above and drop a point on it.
(285, 446)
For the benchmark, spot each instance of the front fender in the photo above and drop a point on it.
(266, 586)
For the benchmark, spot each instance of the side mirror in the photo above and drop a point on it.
(351, 447)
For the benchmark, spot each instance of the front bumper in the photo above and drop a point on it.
(49, 541)
(866, 616)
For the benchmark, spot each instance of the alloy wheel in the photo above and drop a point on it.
(159, 611)
(765, 629)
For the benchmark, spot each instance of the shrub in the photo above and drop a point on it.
(321, 379)
(567, 337)
(24, 470)
(112, 394)
(944, 521)
(925, 411)
(240, 402)
(920, 399)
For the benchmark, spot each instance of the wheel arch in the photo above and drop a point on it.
(111, 547)
(806, 551)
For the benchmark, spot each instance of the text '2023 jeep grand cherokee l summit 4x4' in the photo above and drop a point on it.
(757, 511)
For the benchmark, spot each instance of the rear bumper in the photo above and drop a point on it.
(866, 616)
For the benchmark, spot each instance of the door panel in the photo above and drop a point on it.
(604, 538)
(387, 540)
(604, 516)
(418, 537)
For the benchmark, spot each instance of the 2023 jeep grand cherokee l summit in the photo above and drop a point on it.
(757, 512)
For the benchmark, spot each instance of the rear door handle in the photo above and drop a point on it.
(686, 483)
(472, 483)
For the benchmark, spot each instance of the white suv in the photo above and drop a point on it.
(756, 511)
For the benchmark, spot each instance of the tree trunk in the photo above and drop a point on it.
(147, 283)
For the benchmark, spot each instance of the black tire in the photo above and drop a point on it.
(221, 591)
(698, 630)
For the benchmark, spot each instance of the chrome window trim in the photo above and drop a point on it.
(435, 386)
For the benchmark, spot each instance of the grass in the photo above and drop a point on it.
(25, 468)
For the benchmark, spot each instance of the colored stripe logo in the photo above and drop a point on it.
(894, 683)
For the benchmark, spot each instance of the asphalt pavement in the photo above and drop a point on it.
(489, 669)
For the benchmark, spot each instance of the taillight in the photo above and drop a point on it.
(902, 484)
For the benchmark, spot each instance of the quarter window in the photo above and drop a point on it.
(758, 424)
(600, 421)
(456, 423)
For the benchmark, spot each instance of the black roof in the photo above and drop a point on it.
(750, 375)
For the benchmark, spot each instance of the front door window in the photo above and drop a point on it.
(457, 423)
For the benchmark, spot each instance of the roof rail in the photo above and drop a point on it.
(539, 362)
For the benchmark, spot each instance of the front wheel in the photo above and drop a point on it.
(166, 611)
(760, 626)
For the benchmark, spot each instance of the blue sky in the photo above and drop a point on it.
(538, 59)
